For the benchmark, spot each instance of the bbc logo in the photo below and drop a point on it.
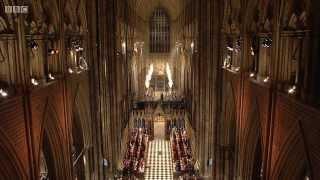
(16, 9)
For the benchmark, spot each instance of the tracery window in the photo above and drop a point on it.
(159, 32)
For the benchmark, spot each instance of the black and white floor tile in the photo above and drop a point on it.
(159, 161)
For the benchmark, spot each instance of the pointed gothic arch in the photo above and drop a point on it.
(51, 138)
(258, 16)
(13, 168)
(81, 134)
(81, 114)
(252, 143)
(295, 14)
(75, 16)
(286, 166)
(228, 132)
(46, 162)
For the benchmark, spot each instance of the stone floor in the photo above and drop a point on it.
(159, 161)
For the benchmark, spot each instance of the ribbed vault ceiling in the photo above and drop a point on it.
(144, 8)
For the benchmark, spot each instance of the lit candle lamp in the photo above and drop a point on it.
(292, 90)
(70, 70)
(51, 77)
(3, 93)
(34, 81)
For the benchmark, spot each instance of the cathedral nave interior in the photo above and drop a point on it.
(159, 89)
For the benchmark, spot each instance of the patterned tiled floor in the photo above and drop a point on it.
(159, 165)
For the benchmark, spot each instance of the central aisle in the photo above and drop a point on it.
(159, 165)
